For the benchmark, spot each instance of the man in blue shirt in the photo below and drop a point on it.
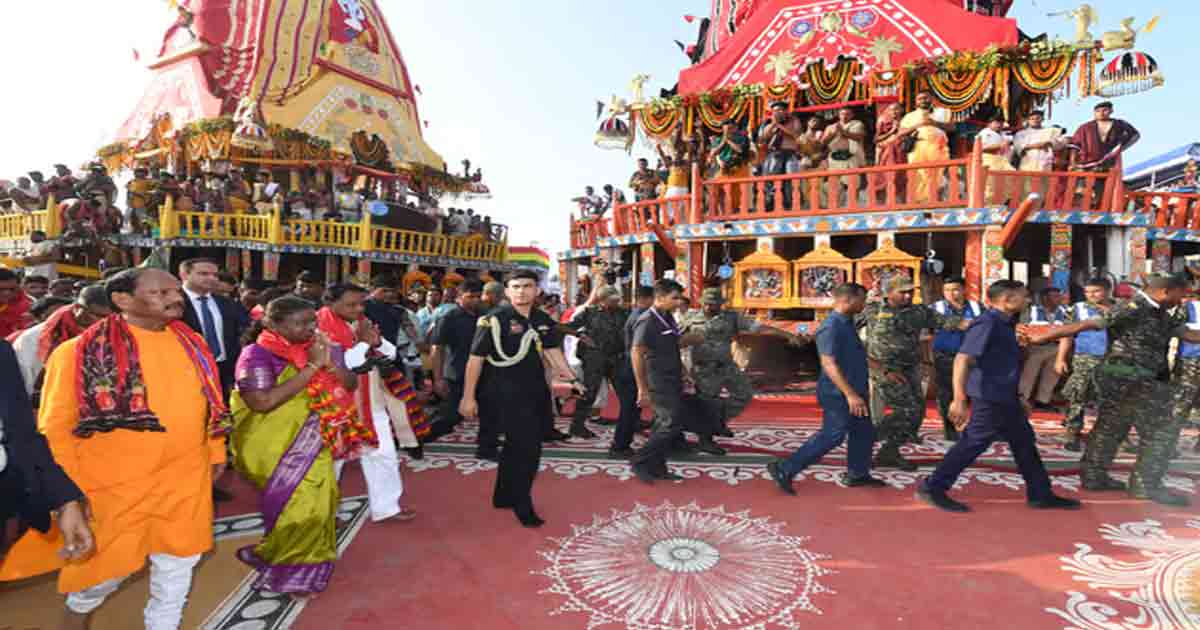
(987, 369)
(626, 384)
(842, 391)
(946, 343)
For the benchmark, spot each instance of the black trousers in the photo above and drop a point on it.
(991, 421)
(668, 428)
(522, 421)
(625, 385)
(448, 417)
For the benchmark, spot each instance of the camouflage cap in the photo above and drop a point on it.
(604, 293)
(898, 284)
(712, 296)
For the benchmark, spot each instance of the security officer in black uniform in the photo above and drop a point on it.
(506, 364)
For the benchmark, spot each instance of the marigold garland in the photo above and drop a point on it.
(1042, 76)
(659, 122)
(959, 91)
(829, 86)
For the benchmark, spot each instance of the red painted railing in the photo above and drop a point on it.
(585, 231)
(921, 186)
(637, 217)
(1060, 190)
(1170, 209)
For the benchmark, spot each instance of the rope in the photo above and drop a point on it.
(528, 339)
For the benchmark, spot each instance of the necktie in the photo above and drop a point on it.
(209, 326)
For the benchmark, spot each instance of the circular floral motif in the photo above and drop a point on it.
(683, 568)
(800, 28)
(684, 555)
(863, 18)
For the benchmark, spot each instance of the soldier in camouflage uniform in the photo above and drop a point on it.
(601, 350)
(713, 368)
(1089, 347)
(1132, 386)
(894, 329)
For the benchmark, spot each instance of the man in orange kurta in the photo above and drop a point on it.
(150, 491)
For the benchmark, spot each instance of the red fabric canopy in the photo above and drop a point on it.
(780, 37)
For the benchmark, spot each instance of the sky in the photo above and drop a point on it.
(511, 86)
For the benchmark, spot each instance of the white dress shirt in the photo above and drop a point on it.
(218, 322)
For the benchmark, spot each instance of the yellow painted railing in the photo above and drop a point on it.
(241, 227)
(273, 229)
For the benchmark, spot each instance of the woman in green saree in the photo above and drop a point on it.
(293, 412)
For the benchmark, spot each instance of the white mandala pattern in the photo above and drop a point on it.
(683, 568)
(1161, 591)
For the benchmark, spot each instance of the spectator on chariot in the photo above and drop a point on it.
(63, 184)
(644, 182)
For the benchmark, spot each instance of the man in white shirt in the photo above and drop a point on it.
(1035, 145)
(997, 153)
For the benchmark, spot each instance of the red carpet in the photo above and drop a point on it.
(858, 558)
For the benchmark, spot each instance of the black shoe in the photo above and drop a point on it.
(724, 431)
(502, 504)
(683, 447)
(554, 435)
(643, 475)
(620, 453)
(608, 422)
(896, 461)
(1055, 502)
(863, 482)
(1104, 484)
(581, 431)
(939, 499)
(222, 495)
(710, 447)
(669, 476)
(416, 452)
(487, 454)
(528, 518)
(774, 468)
(1074, 445)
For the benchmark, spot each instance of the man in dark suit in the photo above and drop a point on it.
(218, 319)
(32, 485)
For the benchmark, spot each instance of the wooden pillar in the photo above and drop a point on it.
(247, 262)
(695, 268)
(993, 256)
(649, 273)
(973, 265)
(362, 273)
(1060, 256)
(233, 260)
(1137, 253)
(331, 269)
(270, 266)
(1160, 256)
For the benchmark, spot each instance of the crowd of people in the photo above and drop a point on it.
(172, 377)
(790, 143)
(89, 205)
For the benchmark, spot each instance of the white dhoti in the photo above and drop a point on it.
(170, 583)
(381, 467)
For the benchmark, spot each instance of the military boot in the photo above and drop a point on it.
(1158, 494)
(889, 457)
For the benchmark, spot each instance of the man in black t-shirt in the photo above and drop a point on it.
(506, 364)
(658, 371)
(451, 346)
